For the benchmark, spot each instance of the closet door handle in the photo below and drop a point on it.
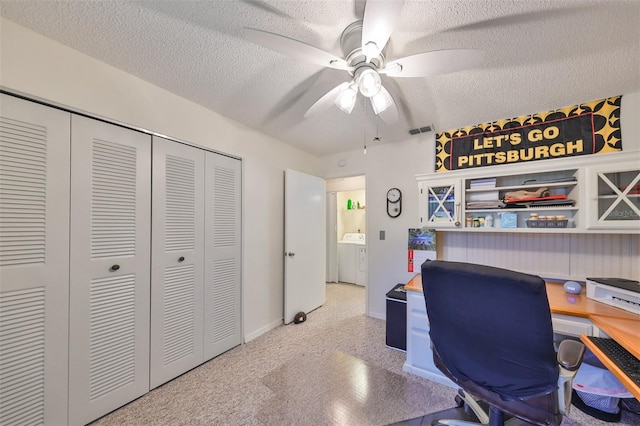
(114, 268)
(181, 259)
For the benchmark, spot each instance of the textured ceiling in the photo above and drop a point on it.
(539, 55)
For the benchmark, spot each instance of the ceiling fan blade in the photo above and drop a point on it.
(295, 48)
(389, 115)
(434, 63)
(380, 18)
(326, 101)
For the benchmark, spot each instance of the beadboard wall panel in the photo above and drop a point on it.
(606, 255)
(562, 256)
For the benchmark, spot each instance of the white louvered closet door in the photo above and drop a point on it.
(34, 259)
(222, 255)
(178, 255)
(110, 265)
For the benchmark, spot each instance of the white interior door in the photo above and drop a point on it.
(178, 260)
(34, 262)
(332, 237)
(304, 244)
(110, 261)
(223, 257)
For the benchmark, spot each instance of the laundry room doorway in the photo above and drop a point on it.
(347, 231)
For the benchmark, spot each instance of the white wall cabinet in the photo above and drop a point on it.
(34, 262)
(602, 193)
(440, 203)
(110, 261)
(613, 196)
(91, 315)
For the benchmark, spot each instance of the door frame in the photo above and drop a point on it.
(332, 237)
(334, 213)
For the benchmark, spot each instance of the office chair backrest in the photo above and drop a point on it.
(491, 326)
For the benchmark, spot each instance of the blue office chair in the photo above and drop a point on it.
(491, 334)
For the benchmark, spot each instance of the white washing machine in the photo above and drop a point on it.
(352, 259)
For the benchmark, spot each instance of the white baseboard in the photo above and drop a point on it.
(259, 332)
(377, 315)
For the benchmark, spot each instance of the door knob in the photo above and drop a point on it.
(289, 253)
(181, 259)
(114, 268)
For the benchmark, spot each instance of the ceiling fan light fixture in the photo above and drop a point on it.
(381, 101)
(346, 99)
(369, 82)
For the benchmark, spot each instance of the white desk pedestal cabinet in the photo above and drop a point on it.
(419, 356)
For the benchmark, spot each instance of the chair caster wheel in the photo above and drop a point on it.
(459, 401)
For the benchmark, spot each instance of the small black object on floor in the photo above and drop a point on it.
(300, 317)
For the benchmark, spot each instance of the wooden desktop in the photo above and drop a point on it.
(618, 324)
(608, 321)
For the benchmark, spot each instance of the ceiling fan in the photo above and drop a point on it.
(363, 43)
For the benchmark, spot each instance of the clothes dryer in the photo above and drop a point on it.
(352, 259)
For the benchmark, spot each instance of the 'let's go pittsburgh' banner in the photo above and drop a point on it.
(589, 128)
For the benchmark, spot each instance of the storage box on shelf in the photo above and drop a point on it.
(597, 193)
(547, 223)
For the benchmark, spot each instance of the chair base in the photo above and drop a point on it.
(486, 415)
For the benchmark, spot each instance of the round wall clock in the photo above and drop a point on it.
(394, 202)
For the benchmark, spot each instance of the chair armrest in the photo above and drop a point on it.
(570, 354)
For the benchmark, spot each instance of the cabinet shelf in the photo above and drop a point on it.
(614, 196)
(522, 230)
(525, 209)
(527, 186)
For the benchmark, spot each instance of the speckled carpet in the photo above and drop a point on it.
(333, 369)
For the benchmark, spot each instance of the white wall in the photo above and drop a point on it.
(346, 184)
(42, 68)
(395, 164)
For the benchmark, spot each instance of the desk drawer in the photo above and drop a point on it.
(571, 326)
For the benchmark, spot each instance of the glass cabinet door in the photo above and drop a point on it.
(616, 202)
(441, 203)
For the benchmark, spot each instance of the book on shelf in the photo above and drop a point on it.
(489, 204)
(551, 180)
(482, 196)
(483, 183)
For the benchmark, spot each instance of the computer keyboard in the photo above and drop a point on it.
(628, 363)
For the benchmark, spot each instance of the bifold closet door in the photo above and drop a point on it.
(178, 260)
(34, 262)
(110, 264)
(222, 255)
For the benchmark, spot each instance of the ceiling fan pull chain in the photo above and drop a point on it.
(364, 124)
